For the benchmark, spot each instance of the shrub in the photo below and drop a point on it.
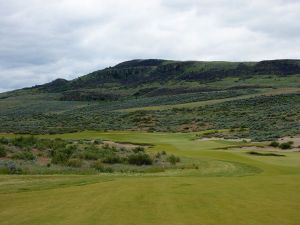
(122, 149)
(274, 144)
(105, 146)
(97, 142)
(25, 155)
(98, 165)
(4, 141)
(112, 159)
(173, 159)
(92, 148)
(158, 155)
(286, 145)
(23, 142)
(138, 149)
(62, 155)
(74, 163)
(2, 151)
(90, 155)
(139, 159)
(12, 168)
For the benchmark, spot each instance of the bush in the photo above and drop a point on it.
(158, 155)
(2, 151)
(138, 149)
(97, 142)
(62, 155)
(25, 155)
(112, 159)
(23, 142)
(98, 165)
(173, 159)
(4, 141)
(274, 144)
(106, 146)
(74, 163)
(140, 159)
(11, 168)
(90, 155)
(286, 145)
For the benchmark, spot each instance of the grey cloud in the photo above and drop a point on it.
(42, 40)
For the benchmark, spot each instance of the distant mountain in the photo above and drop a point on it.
(142, 75)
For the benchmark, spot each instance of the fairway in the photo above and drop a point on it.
(150, 113)
(229, 187)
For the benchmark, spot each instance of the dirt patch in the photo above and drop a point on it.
(120, 145)
(43, 160)
(188, 127)
(224, 139)
(267, 149)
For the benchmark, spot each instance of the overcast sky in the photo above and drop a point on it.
(43, 40)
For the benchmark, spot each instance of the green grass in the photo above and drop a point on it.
(249, 200)
(229, 187)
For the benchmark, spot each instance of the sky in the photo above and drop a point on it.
(44, 40)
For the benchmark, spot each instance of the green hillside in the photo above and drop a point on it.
(261, 98)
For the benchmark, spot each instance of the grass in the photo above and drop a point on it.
(159, 201)
(229, 187)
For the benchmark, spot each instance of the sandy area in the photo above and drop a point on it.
(223, 139)
(295, 139)
(120, 145)
(267, 148)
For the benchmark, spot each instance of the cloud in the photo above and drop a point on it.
(42, 40)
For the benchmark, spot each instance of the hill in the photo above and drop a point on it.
(259, 98)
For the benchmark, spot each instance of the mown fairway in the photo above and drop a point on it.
(230, 187)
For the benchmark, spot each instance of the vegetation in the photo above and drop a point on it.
(139, 158)
(156, 95)
(226, 186)
(173, 159)
(2, 151)
(87, 156)
(126, 140)
(274, 144)
(25, 155)
(261, 118)
(286, 145)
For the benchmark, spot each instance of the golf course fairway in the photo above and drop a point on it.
(229, 187)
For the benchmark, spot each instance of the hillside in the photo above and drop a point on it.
(259, 98)
(152, 77)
